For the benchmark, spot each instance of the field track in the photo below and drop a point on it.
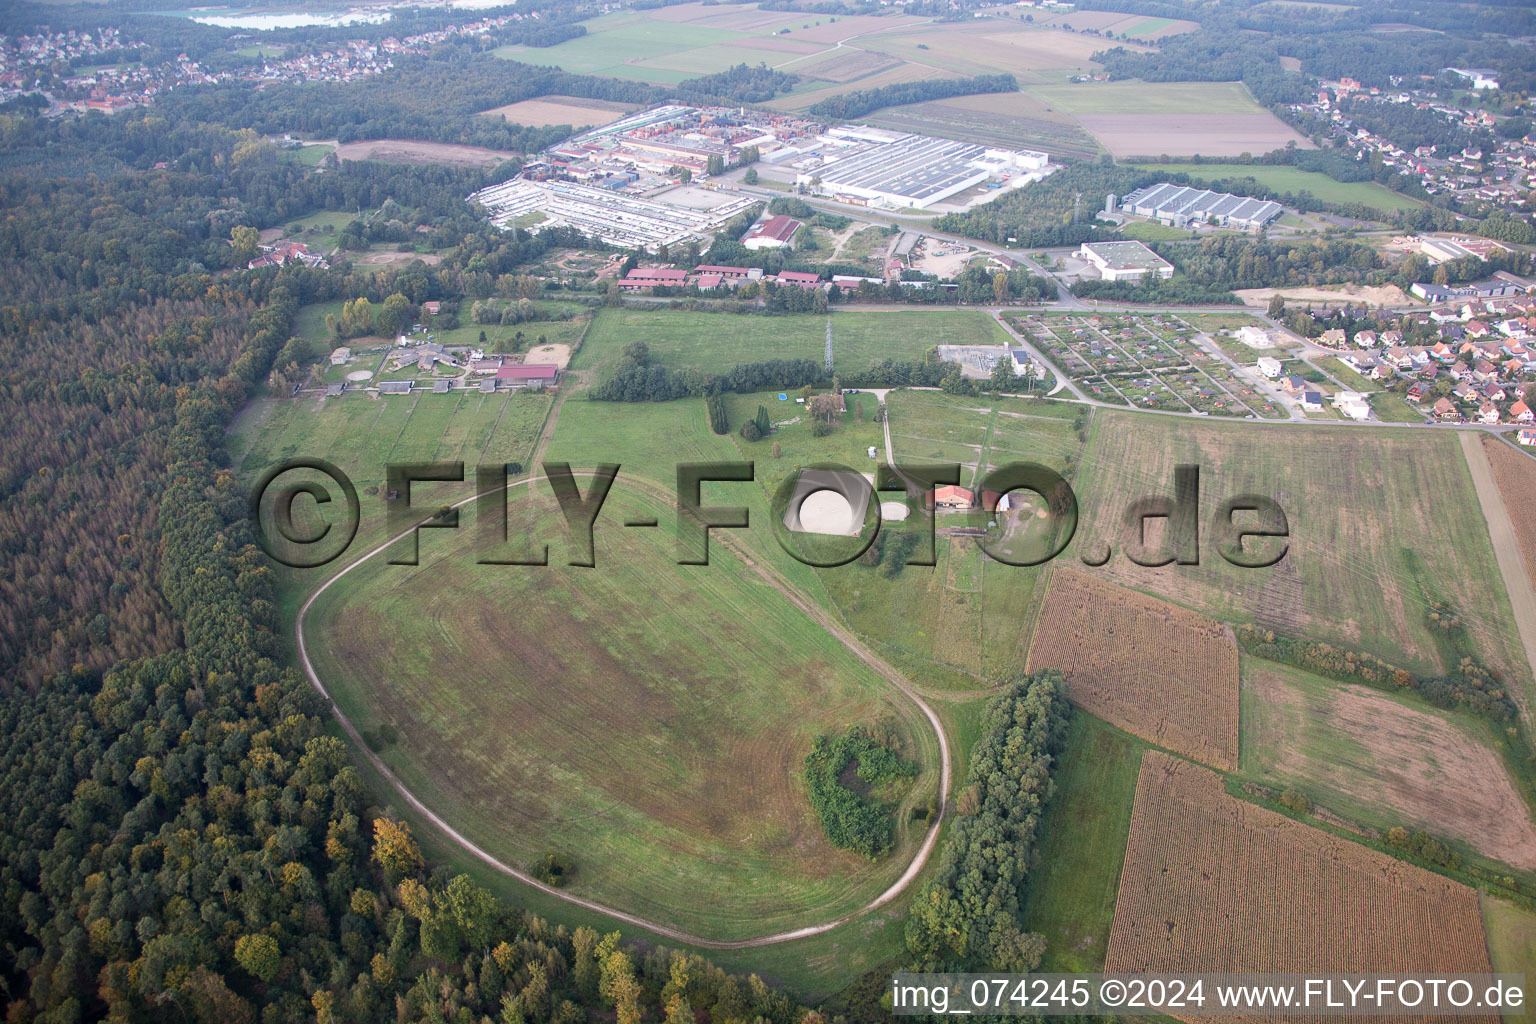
(1522, 597)
(789, 592)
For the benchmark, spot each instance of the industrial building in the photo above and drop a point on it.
(900, 170)
(616, 218)
(1124, 261)
(1181, 206)
(777, 232)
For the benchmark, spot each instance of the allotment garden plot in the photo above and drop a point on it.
(1149, 362)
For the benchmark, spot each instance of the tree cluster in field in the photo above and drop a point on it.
(1154, 290)
(890, 551)
(719, 422)
(793, 206)
(740, 84)
(966, 917)
(865, 101)
(636, 379)
(861, 823)
(1040, 215)
(756, 428)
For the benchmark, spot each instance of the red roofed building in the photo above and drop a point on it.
(1521, 413)
(529, 375)
(650, 277)
(799, 278)
(708, 281)
(776, 232)
(950, 496)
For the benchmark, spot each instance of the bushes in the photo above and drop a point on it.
(633, 382)
(967, 916)
(851, 821)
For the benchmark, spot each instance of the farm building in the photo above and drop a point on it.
(528, 375)
(396, 387)
(1124, 261)
(777, 232)
(340, 355)
(650, 277)
(1441, 250)
(951, 497)
(1181, 206)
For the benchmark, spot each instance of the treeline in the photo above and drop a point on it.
(1222, 262)
(1155, 290)
(640, 382)
(851, 821)
(967, 915)
(857, 104)
(1047, 213)
(1471, 686)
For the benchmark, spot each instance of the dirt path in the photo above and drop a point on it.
(1522, 598)
(780, 584)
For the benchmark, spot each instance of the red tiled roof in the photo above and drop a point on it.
(778, 227)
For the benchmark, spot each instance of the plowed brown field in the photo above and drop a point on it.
(1212, 884)
(1158, 671)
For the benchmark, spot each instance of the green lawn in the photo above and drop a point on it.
(1291, 179)
(1139, 97)
(1151, 231)
(717, 342)
(614, 42)
(1071, 894)
(310, 156)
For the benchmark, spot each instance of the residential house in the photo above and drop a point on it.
(1445, 409)
(1312, 401)
(1334, 338)
(951, 497)
(1365, 339)
(1269, 366)
(1489, 413)
(1521, 413)
(1294, 385)
(1528, 436)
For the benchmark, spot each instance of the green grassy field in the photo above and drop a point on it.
(716, 342)
(1381, 524)
(1511, 943)
(689, 697)
(361, 434)
(1147, 97)
(1071, 894)
(1383, 759)
(1292, 179)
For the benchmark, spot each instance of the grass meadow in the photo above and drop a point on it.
(614, 713)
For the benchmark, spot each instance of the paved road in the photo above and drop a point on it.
(1522, 598)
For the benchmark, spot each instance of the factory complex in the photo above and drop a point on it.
(659, 176)
(1124, 261)
(1181, 206)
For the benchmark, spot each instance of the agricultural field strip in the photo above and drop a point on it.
(789, 592)
(1212, 883)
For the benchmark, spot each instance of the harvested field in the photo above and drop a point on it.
(779, 43)
(1214, 884)
(551, 110)
(1382, 295)
(1141, 135)
(1013, 120)
(1515, 473)
(1158, 671)
(991, 46)
(1382, 523)
(842, 67)
(406, 151)
(1380, 760)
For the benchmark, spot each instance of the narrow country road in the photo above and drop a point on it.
(791, 593)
